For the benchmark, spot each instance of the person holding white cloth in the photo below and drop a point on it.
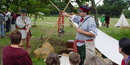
(86, 33)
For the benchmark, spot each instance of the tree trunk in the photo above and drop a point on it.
(94, 10)
(35, 18)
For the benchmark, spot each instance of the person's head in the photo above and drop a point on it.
(74, 59)
(12, 12)
(83, 10)
(15, 37)
(53, 59)
(124, 46)
(94, 60)
(23, 12)
(6, 11)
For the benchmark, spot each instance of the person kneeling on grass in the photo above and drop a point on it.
(124, 49)
(74, 59)
(52, 59)
(94, 60)
(13, 54)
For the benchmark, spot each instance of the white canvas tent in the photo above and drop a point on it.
(122, 22)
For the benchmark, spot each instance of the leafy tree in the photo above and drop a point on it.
(126, 12)
(112, 7)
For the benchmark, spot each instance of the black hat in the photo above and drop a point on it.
(84, 8)
(23, 10)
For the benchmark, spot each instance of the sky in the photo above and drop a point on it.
(100, 2)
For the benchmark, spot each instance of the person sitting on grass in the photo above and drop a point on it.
(124, 49)
(94, 60)
(13, 54)
(74, 59)
(52, 59)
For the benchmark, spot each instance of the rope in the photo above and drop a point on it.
(59, 21)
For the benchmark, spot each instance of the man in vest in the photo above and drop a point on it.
(86, 33)
(24, 23)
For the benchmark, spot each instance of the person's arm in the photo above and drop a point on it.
(29, 24)
(91, 29)
(85, 33)
(20, 24)
(75, 18)
(66, 14)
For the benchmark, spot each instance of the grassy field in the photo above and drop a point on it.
(45, 26)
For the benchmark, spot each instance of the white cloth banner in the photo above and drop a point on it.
(108, 46)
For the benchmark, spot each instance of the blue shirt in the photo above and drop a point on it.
(89, 26)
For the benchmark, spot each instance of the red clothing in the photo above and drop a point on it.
(82, 19)
(15, 56)
(123, 62)
(75, 45)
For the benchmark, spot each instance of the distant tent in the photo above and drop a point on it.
(122, 22)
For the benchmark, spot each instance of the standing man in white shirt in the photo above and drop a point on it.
(24, 24)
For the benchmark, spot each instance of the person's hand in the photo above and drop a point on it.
(79, 30)
(26, 24)
(27, 30)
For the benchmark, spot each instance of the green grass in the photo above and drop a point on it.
(116, 32)
(45, 26)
